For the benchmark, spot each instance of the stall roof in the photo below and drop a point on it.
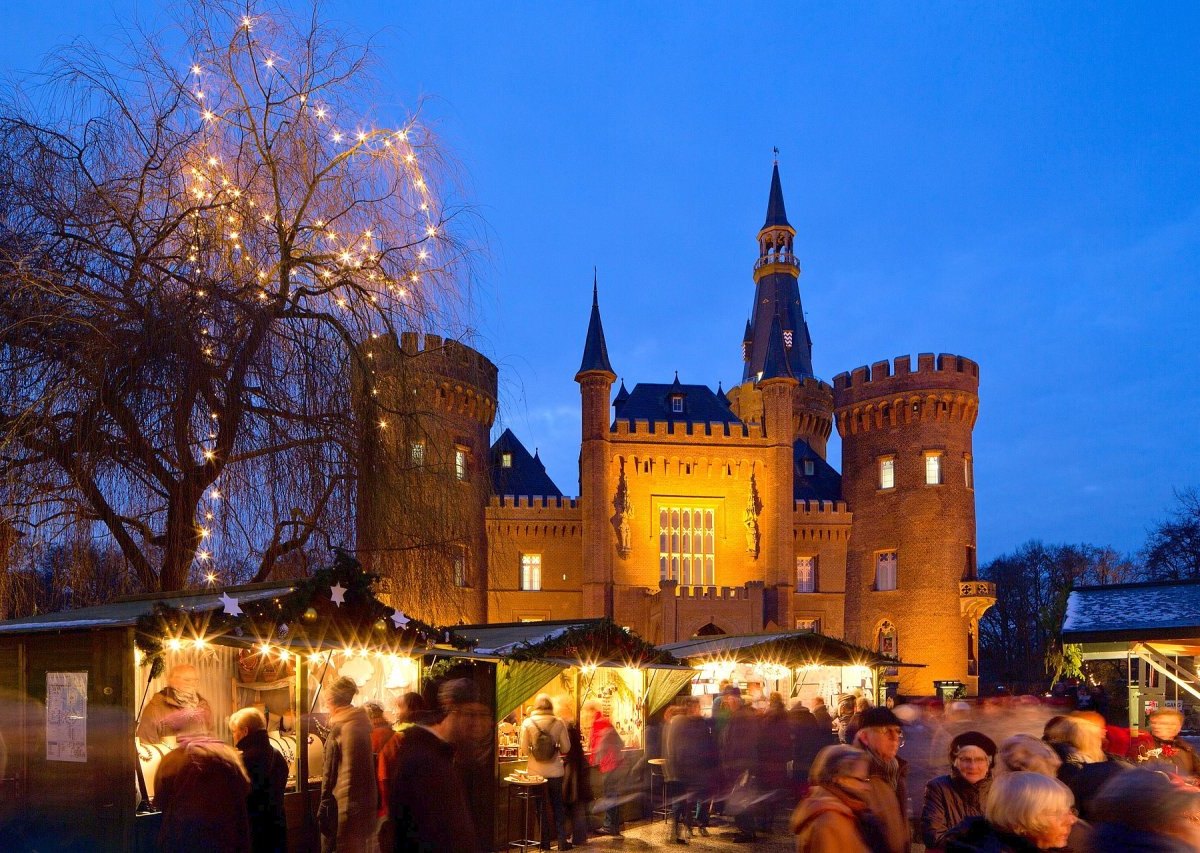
(1153, 610)
(125, 611)
(800, 646)
(502, 638)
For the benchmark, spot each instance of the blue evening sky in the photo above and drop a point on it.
(1018, 183)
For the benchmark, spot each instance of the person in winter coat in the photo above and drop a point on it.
(741, 770)
(178, 710)
(880, 739)
(836, 816)
(1086, 767)
(577, 778)
(426, 804)
(201, 789)
(774, 753)
(1148, 812)
(842, 722)
(821, 714)
(346, 814)
(1163, 743)
(951, 799)
(690, 752)
(381, 729)
(809, 737)
(1025, 812)
(268, 772)
(605, 746)
(543, 725)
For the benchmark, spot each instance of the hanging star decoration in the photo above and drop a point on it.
(337, 594)
(230, 605)
(399, 619)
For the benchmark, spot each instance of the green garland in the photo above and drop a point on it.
(304, 616)
(600, 641)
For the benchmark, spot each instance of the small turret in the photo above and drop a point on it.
(595, 350)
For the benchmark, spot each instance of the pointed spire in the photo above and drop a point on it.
(776, 214)
(676, 388)
(622, 394)
(721, 394)
(595, 350)
(775, 365)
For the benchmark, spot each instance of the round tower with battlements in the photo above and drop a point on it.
(907, 475)
(425, 415)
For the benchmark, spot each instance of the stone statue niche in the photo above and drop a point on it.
(750, 519)
(623, 516)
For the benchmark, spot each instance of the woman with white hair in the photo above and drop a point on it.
(1025, 812)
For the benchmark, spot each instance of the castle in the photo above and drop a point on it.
(699, 511)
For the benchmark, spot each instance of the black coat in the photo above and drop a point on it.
(1115, 838)
(949, 800)
(1086, 780)
(425, 799)
(268, 771)
(976, 835)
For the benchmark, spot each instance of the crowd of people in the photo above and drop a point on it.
(974, 779)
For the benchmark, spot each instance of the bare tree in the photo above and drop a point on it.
(194, 253)
(1172, 550)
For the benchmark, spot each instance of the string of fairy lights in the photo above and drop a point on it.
(256, 230)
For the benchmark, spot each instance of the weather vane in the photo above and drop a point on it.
(776, 149)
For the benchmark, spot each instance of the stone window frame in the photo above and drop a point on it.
(885, 464)
(671, 553)
(531, 574)
(462, 463)
(881, 561)
(936, 457)
(416, 452)
(813, 579)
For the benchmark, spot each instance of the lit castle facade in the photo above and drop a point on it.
(705, 511)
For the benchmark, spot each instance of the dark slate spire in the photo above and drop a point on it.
(776, 215)
(622, 395)
(721, 394)
(595, 351)
(775, 365)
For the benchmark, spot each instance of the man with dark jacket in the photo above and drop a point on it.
(268, 771)
(201, 789)
(880, 737)
(426, 806)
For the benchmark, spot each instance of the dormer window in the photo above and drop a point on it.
(787, 339)
(505, 460)
(809, 468)
(677, 404)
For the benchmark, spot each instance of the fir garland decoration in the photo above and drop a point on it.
(603, 640)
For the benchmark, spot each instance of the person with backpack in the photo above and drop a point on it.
(544, 741)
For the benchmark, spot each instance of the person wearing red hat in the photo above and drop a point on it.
(961, 794)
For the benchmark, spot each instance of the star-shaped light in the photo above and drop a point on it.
(338, 593)
(399, 619)
(230, 604)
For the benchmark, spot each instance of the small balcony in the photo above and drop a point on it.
(975, 597)
(778, 258)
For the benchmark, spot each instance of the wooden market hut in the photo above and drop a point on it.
(517, 660)
(72, 685)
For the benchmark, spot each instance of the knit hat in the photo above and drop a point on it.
(880, 717)
(973, 739)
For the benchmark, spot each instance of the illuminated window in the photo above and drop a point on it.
(806, 574)
(887, 473)
(968, 471)
(885, 639)
(787, 339)
(460, 463)
(813, 625)
(676, 404)
(531, 571)
(460, 568)
(505, 460)
(416, 452)
(685, 545)
(933, 469)
(885, 570)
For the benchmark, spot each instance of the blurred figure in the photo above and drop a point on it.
(577, 777)
(880, 739)
(774, 753)
(1025, 752)
(841, 723)
(739, 748)
(201, 788)
(821, 715)
(691, 754)
(346, 814)
(409, 708)
(836, 816)
(178, 710)
(381, 729)
(951, 799)
(544, 742)
(809, 737)
(426, 805)
(268, 772)
(1025, 812)
(1146, 810)
(1163, 743)
(606, 748)
(1086, 767)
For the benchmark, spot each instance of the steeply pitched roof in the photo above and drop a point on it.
(526, 477)
(595, 350)
(824, 484)
(1160, 610)
(651, 402)
(775, 364)
(776, 215)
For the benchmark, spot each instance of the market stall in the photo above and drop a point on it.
(796, 664)
(572, 662)
(83, 691)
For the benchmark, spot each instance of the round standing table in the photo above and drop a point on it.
(526, 788)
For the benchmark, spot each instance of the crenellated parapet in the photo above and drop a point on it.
(942, 388)
(716, 432)
(450, 377)
(719, 593)
(554, 517)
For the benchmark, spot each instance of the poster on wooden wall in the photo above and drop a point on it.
(66, 716)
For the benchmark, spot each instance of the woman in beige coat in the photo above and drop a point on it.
(835, 816)
(346, 815)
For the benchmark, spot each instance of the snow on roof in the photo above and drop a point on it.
(1133, 611)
